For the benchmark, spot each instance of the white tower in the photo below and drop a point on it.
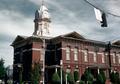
(42, 21)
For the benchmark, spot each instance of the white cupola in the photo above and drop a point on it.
(42, 21)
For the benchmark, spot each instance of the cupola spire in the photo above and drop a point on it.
(42, 21)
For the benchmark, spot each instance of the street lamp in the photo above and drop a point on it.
(108, 50)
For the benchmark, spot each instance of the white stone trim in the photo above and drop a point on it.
(36, 49)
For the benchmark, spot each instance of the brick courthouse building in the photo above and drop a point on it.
(75, 51)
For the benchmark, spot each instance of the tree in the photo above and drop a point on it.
(87, 76)
(56, 78)
(114, 78)
(63, 75)
(103, 76)
(82, 82)
(36, 74)
(100, 79)
(76, 76)
(70, 78)
(2, 69)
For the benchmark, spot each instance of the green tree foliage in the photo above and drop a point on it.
(76, 76)
(100, 79)
(36, 73)
(70, 78)
(87, 76)
(114, 78)
(2, 69)
(56, 78)
(63, 75)
(82, 82)
(117, 78)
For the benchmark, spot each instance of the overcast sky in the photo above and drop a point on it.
(16, 18)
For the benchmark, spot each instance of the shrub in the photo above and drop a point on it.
(36, 73)
(70, 78)
(76, 76)
(100, 79)
(87, 76)
(103, 76)
(82, 82)
(56, 78)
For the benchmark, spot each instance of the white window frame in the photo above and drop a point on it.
(95, 57)
(103, 58)
(114, 55)
(119, 58)
(67, 53)
(75, 54)
(86, 55)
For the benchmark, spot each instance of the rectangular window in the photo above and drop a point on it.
(103, 58)
(41, 57)
(67, 53)
(114, 54)
(76, 54)
(95, 57)
(86, 55)
(119, 58)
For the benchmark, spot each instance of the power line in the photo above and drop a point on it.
(101, 9)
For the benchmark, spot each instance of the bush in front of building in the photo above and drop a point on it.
(36, 74)
(76, 76)
(87, 76)
(63, 75)
(99, 79)
(82, 82)
(103, 76)
(70, 78)
(55, 78)
(114, 78)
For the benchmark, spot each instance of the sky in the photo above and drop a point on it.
(16, 18)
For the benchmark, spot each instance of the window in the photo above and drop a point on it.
(95, 57)
(119, 58)
(42, 57)
(67, 53)
(103, 58)
(114, 54)
(86, 55)
(75, 54)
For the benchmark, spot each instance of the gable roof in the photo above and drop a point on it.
(18, 39)
(73, 35)
(116, 42)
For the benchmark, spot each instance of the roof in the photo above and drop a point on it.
(116, 42)
(73, 35)
(19, 38)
